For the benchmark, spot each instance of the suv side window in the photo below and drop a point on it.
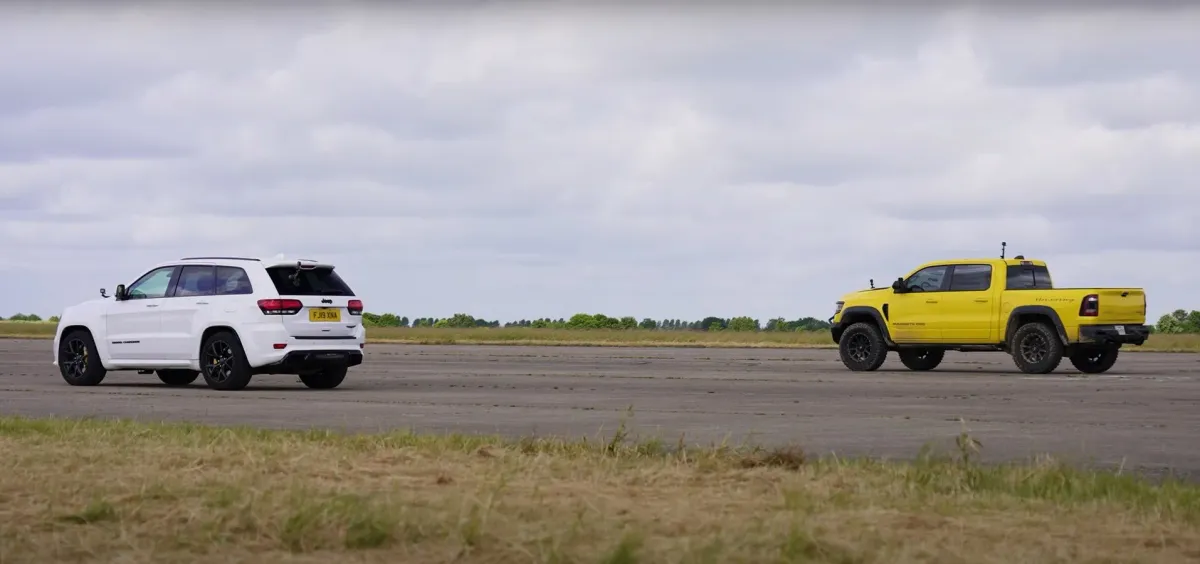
(232, 280)
(971, 278)
(195, 280)
(928, 279)
(153, 284)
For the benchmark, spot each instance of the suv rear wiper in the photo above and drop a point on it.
(332, 292)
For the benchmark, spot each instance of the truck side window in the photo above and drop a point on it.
(971, 278)
(928, 279)
(1029, 277)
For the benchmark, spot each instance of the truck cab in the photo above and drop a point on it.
(969, 305)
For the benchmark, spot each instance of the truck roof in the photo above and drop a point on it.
(1011, 261)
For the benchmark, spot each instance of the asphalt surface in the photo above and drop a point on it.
(1143, 415)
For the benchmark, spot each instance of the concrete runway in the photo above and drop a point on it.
(1144, 414)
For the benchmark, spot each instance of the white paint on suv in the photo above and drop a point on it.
(275, 316)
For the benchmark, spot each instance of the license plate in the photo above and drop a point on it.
(1120, 329)
(324, 314)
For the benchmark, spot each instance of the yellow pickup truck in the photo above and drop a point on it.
(1007, 305)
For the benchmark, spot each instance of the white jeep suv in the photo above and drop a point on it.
(227, 318)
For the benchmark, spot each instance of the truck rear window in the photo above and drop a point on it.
(308, 282)
(1029, 277)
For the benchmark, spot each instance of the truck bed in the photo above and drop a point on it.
(1116, 305)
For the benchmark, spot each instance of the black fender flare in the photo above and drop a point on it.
(855, 314)
(1034, 310)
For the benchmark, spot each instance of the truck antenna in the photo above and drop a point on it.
(1002, 246)
(872, 283)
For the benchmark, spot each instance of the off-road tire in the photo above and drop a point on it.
(223, 362)
(78, 360)
(861, 347)
(1094, 360)
(1036, 348)
(326, 379)
(177, 377)
(922, 359)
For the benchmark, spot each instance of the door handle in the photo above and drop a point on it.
(201, 303)
(931, 301)
(981, 300)
(151, 305)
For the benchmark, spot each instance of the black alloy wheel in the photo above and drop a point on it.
(1094, 360)
(858, 347)
(219, 366)
(78, 361)
(1034, 348)
(75, 361)
(922, 359)
(862, 348)
(1037, 348)
(223, 362)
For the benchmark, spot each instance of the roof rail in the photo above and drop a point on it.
(220, 258)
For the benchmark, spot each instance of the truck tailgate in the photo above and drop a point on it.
(1120, 305)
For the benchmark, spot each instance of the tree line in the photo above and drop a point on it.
(1177, 322)
(601, 321)
(29, 317)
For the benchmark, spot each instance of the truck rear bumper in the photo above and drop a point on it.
(1114, 334)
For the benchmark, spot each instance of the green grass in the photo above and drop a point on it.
(142, 492)
(580, 337)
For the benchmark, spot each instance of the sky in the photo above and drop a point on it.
(538, 159)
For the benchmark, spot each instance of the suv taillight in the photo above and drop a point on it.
(1090, 306)
(280, 307)
(355, 307)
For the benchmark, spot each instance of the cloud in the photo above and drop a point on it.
(515, 162)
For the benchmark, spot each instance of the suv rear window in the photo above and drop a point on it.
(1029, 277)
(310, 282)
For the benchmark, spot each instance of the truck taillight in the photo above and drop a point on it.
(1090, 306)
(280, 307)
(355, 307)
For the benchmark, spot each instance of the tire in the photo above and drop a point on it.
(861, 347)
(1094, 360)
(327, 379)
(922, 359)
(223, 362)
(176, 377)
(1036, 348)
(78, 360)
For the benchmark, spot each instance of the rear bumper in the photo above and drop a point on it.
(307, 360)
(261, 339)
(1114, 334)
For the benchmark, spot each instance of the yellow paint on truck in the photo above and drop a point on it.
(1008, 305)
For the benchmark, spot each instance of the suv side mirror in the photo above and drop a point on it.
(119, 293)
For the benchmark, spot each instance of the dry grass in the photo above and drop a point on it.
(632, 338)
(129, 492)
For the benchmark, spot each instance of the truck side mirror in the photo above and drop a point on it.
(898, 286)
(119, 293)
